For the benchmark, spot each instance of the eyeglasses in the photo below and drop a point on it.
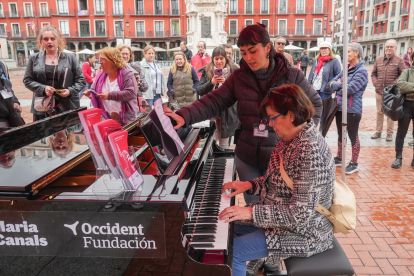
(389, 47)
(125, 54)
(281, 43)
(274, 118)
(101, 59)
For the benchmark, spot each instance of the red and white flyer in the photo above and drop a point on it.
(102, 130)
(89, 118)
(119, 143)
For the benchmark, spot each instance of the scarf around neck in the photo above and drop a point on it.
(321, 61)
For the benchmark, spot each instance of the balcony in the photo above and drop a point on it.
(360, 22)
(149, 34)
(12, 14)
(383, 17)
(374, 19)
(392, 13)
(282, 31)
(319, 10)
(152, 12)
(28, 14)
(141, 34)
(1, 14)
(368, 4)
(86, 33)
(63, 12)
(367, 20)
(378, 2)
(99, 13)
(301, 10)
(83, 13)
(43, 12)
(361, 7)
(282, 10)
(117, 12)
(404, 11)
(351, 3)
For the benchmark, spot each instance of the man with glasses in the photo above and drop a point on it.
(387, 69)
(280, 48)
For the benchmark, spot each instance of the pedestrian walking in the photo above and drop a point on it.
(213, 75)
(366, 59)
(182, 81)
(187, 52)
(357, 83)
(407, 58)
(387, 69)
(88, 70)
(405, 85)
(304, 62)
(280, 48)
(153, 76)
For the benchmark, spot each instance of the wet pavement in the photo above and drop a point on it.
(383, 243)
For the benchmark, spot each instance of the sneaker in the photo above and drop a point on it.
(338, 161)
(111, 206)
(351, 168)
(137, 205)
(376, 135)
(269, 267)
(253, 267)
(389, 138)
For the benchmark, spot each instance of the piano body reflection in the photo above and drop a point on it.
(47, 166)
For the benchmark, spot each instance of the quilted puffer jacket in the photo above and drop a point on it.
(386, 72)
(357, 83)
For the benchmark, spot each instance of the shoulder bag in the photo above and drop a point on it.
(393, 101)
(42, 104)
(342, 213)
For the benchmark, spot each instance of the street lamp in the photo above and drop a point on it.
(325, 17)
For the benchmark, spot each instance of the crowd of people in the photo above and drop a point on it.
(270, 108)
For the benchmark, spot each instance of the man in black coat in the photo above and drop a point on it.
(187, 52)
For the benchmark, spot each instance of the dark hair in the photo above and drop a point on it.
(290, 97)
(90, 56)
(204, 43)
(255, 34)
(218, 51)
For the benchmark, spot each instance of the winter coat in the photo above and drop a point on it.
(143, 85)
(357, 83)
(186, 89)
(4, 111)
(407, 87)
(149, 94)
(293, 227)
(198, 62)
(407, 58)
(386, 72)
(304, 60)
(35, 79)
(331, 70)
(188, 54)
(242, 87)
(228, 119)
(88, 72)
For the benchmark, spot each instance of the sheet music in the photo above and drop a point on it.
(171, 143)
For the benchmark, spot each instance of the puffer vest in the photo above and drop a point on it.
(184, 93)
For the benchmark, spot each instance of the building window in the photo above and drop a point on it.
(402, 48)
(83, 5)
(175, 10)
(317, 27)
(265, 6)
(188, 25)
(318, 6)
(233, 27)
(382, 28)
(140, 29)
(30, 30)
(300, 6)
(139, 4)
(119, 28)
(175, 27)
(100, 28)
(118, 9)
(282, 6)
(233, 6)
(266, 23)
(405, 24)
(366, 30)
(99, 7)
(249, 6)
(282, 27)
(13, 10)
(249, 22)
(23, 152)
(1, 10)
(299, 27)
(64, 27)
(28, 9)
(62, 6)
(16, 30)
(158, 6)
(159, 28)
(85, 30)
(2, 29)
(376, 29)
(43, 10)
(391, 26)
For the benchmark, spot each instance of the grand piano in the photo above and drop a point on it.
(47, 166)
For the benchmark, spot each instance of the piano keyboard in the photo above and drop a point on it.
(203, 230)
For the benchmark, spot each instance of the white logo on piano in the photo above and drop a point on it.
(72, 227)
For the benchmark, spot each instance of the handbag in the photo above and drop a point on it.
(42, 104)
(393, 101)
(342, 213)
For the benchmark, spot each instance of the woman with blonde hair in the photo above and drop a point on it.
(51, 72)
(115, 88)
(182, 81)
(153, 75)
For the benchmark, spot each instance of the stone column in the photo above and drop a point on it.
(26, 52)
(308, 43)
(109, 43)
(12, 50)
(93, 45)
(76, 49)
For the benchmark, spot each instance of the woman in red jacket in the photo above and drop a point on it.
(89, 73)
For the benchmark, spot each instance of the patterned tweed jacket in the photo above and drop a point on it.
(293, 226)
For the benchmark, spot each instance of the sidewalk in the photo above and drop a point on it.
(383, 243)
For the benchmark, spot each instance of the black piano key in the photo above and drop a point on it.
(202, 245)
(202, 238)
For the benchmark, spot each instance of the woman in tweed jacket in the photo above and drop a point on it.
(284, 223)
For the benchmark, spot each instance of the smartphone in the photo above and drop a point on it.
(59, 91)
(218, 72)
(93, 91)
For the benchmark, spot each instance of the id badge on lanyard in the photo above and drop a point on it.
(261, 129)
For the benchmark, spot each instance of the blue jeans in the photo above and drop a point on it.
(249, 244)
(87, 86)
(152, 101)
(247, 173)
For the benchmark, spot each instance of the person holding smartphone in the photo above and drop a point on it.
(213, 75)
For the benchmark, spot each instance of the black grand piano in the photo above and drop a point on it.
(47, 166)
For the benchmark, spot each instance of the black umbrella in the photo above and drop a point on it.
(330, 107)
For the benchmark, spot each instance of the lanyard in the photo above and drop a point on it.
(156, 74)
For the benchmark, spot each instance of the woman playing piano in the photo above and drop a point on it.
(284, 223)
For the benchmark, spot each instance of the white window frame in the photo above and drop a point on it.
(179, 24)
(122, 6)
(57, 7)
(123, 27)
(79, 27)
(20, 31)
(268, 7)
(237, 8)
(27, 30)
(304, 6)
(31, 6)
(17, 9)
(296, 25)
(163, 27)
(287, 2)
(1, 10)
(68, 27)
(314, 5)
(268, 25)
(94, 27)
(5, 25)
(314, 25)
(47, 8)
(237, 25)
(245, 7)
(87, 5)
(136, 30)
(178, 7)
(143, 7)
(278, 26)
(94, 8)
(162, 8)
(245, 21)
